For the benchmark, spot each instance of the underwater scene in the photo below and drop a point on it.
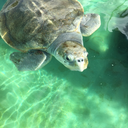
(56, 97)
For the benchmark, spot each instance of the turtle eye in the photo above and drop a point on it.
(67, 58)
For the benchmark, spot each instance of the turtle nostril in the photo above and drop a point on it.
(80, 60)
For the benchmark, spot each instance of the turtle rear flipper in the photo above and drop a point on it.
(32, 60)
(89, 24)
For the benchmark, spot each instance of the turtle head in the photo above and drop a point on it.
(72, 55)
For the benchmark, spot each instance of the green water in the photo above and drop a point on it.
(55, 97)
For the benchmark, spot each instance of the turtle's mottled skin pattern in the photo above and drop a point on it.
(66, 48)
(37, 23)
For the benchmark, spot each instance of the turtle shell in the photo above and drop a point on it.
(35, 24)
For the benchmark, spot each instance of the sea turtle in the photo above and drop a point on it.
(40, 29)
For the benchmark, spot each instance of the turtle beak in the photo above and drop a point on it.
(82, 64)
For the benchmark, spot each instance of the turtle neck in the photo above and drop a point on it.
(70, 36)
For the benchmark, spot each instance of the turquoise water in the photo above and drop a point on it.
(55, 97)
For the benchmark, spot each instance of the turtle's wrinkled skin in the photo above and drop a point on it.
(42, 28)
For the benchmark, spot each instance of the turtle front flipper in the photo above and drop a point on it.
(89, 24)
(32, 60)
